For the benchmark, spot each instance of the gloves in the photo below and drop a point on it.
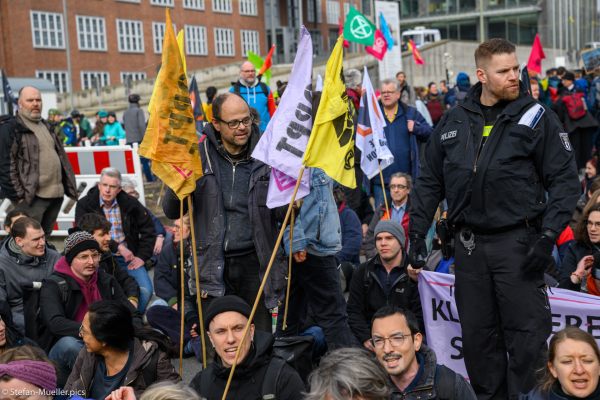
(418, 247)
(540, 251)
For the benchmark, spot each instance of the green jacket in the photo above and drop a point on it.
(85, 129)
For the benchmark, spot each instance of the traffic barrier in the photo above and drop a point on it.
(88, 162)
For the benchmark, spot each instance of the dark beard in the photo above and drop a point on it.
(504, 94)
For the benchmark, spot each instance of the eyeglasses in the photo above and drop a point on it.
(249, 70)
(234, 124)
(392, 187)
(388, 93)
(395, 341)
(593, 224)
(94, 257)
(82, 332)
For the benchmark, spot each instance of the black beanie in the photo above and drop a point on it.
(78, 241)
(224, 304)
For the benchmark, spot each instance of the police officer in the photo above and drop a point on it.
(493, 157)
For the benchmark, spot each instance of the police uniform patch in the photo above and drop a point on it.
(564, 139)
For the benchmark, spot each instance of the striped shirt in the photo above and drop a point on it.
(113, 215)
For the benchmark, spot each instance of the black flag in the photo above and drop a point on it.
(8, 94)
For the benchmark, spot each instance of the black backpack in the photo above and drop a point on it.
(444, 383)
(263, 86)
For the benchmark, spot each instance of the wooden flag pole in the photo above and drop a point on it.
(264, 281)
(159, 196)
(287, 297)
(197, 279)
(182, 290)
(387, 210)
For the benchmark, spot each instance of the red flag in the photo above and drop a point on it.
(536, 56)
(268, 62)
(346, 43)
(379, 46)
(416, 54)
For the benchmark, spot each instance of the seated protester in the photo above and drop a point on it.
(24, 257)
(99, 227)
(164, 313)
(26, 369)
(400, 186)
(412, 366)
(349, 374)
(572, 370)
(132, 231)
(117, 354)
(10, 219)
(382, 280)
(10, 335)
(166, 390)
(225, 320)
(583, 201)
(351, 231)
(65, 296)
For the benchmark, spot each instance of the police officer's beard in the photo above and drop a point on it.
(503, 93)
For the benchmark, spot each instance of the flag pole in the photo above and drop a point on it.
(197, 278)
(387, 210)
(159, 196)
(418, 75)
(289, 278)
(182, 291)
(264, 281)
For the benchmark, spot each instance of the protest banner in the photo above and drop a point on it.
(442, 322)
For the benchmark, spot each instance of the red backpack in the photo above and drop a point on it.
(435, 110)
(575, 105)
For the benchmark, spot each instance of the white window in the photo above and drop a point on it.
(311, 11)
(248, 7)
(47, 30)
(89, 79)
(223, 6)
(250, 42)
(224, 44)
(58, 78)
(135, 76)
(346, 10)
(158, 34)
(91, 33)
(163, 3)
(130, 36)
(193, 4)
(195, 40)
(333, 12)
(129, 1)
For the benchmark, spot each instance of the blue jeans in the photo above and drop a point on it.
(142, 278)
(378, 194)
(63, 354)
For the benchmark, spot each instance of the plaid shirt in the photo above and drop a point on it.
(113, 214)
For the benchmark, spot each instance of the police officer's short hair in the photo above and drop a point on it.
(393, 309)
(387, 81)
(491, 47)
(409, 181)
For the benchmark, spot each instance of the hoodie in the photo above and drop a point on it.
(90, 291)
(259, 96)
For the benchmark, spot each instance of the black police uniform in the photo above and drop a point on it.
(495, 190)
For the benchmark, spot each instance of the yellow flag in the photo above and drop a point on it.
(170, 140)
(331, 143)
(180, 45)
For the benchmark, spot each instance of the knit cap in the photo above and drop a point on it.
(392, 227)
(78, 241)
(53, 111)
(38, 373)
(224, 304)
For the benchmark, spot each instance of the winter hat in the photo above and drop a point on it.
(37, 373)
(569, 76)
(78, 241)
(53, 111)
(223, 304)
(102, 114)
(393, 227)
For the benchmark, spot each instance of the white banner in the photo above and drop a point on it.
(442, 324)
(392, 61)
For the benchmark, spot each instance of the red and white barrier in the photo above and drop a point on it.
(88, 163)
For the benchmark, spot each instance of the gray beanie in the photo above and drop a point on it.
(393, 227)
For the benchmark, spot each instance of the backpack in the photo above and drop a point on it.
(297, 352)
(263, 86)
(575, 105)
(445, 380)
(435, 110)
(150, 370)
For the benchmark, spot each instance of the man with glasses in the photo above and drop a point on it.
(399, 207)
(405, 127)
(235, 231)
(256, 93)
(412, 366)
(66, 294)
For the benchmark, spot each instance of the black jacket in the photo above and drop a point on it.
(367, 297)
(505, 186)
(59, 320)
(127, 282)
(138, 226)
(571, 125)
(14, 338)
(249, 375)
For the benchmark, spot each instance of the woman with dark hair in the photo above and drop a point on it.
(118, 354)
(580, 269)
(573, 368)
(10, 336)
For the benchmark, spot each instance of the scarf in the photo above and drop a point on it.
(90, 291)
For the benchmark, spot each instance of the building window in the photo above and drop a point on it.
(366, 7)
(311, 11)
(346, 10)
(90, 78)
(410, 8)
(130, 35)
(333, 12)
(248, 7)
(158, 34)
(195, 40)
(135, 76)
(91, 33)
(193, 4)
(250, 42)
(224, 44)
(222, 6)
(47, 30)
(129, 1)
(162, 3)
(58, 78)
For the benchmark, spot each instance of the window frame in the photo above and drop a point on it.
(79, 32)
(45, 71)
(102, 73)
(122, 74)
(225, 2)
(141, 37)
(33, 29)
(256, 39)
(252, 4)
(201, 8)
(328, 8)
(157, 3)
(188, 40)
(215, 31)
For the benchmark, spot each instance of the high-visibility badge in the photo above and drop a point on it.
(564, 138)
